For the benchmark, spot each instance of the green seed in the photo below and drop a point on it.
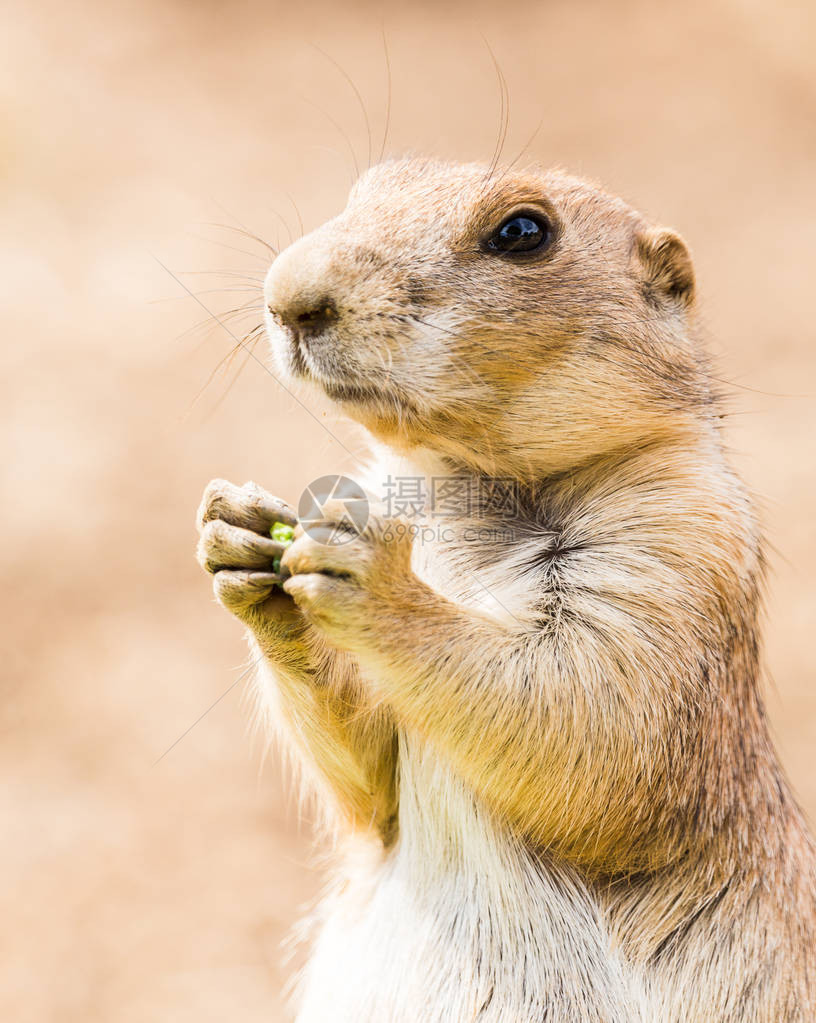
(282, 533)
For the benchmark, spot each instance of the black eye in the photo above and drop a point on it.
(523, 232)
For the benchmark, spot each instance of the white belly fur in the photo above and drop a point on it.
(459, 922)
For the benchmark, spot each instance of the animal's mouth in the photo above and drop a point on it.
(309, 364)
(317, 361)
(297, 357)
(300, 363)
(346, 384)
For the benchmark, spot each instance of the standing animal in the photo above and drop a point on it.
(539, 730)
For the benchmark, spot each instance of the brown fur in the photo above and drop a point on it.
(591, 688)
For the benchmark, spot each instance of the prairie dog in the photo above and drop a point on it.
(541, 734)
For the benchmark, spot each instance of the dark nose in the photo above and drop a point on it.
(307, 319)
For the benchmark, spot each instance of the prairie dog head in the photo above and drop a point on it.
(520, 322)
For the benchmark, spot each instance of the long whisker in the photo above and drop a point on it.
(388, 98)
(504, 113)
(285, 223)
(237, 275)
(223, 245)
(246, 342)
(341, 131)
(248, 349)
(297, 214)
(199, 294)
(521, 152)
(228, 317)
(243, 229)
(356, 91)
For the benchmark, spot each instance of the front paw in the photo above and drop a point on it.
(236, 549)
(343, 578)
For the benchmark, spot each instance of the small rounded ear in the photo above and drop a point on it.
(666, 266)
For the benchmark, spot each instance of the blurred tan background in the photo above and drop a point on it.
(133, 892)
